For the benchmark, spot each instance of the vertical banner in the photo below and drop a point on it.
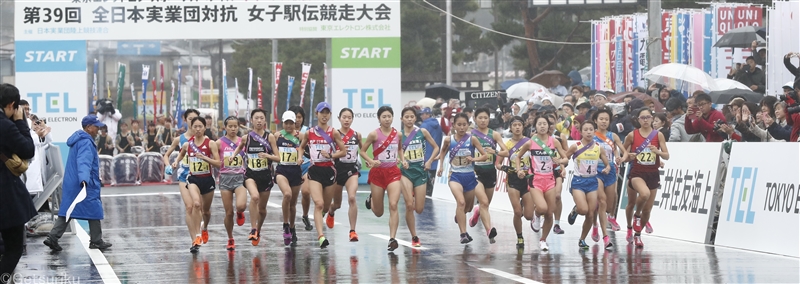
(708, 30)
(683, 27)
(619, 85)
(311, 99)
(179, 100)
(325, 81)
(250, 92)
(145, 77)
(666, 40)
(605, 73)
(199, 87)
(236, 101)
(155, 106)
(161, 105)
(108, 90)
(303, 81)
(698, 44)
(612, 54)
(593, 62)
(673, 40)
(290, 83)
(628, 39)
(121, 85)
(94, 88)
(276, 73)
(642, 34)
(135, 103)
(224, 104)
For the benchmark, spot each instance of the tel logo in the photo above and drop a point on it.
(742, 192)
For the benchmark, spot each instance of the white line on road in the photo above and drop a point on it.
(99, 260)
(400, 242)
(509, 276)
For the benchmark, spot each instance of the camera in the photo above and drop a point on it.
(790, 99)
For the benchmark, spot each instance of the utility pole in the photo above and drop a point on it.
(221, 91)
(448, 75)
(654, 53)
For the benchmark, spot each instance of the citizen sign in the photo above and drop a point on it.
(483, 95)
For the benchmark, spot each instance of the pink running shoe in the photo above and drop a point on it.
(637, 224)
(613, 223)
(595, 235)
(648, 228)
(476, 215)
(629, 236)
(638, 241)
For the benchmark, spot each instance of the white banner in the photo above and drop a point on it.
(641, 44)
(364, 90)
(204, 19)
(784, 19)
(761, 203)
(303, 81)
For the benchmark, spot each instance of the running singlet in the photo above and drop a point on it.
(231, 164)
(606, 146)
(460, 164)
(198, 167)
(646, 160)
(351, 148)
(317, 145)
(185, 162)
(307, 153)
(489, 163)
(586, 162)
(254, 163)
(388, 157)
(415, 151)
(525, 159)
(542, 163)
(287, 148)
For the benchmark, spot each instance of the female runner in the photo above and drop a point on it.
(485, 170)
(586, 154)
(518, 183)
(543, 162)
(646, 147)
(558, 173)
(321, 141)
(384, 174)
(288, 174)
(231, 178)
(202, 155)
(183, 171)
(463, 182)
(607, 182)
(347, 172)
(306, 163)
(258, 148)
(415, 177)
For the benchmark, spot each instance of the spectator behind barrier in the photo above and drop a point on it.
(676, 111)
(704, 119)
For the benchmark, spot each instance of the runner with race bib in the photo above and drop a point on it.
(462, 180)
(288, 174)
(183, 172)
(614, 148)
(348, 170)
(231, 177)
(486, 170)
(517, 183)
(300, 119)
(646, 147)
(558, 173)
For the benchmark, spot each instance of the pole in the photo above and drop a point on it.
(654, 28)
(448, 75)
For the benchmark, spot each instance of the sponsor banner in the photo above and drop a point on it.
(760, 207)
(53, 56)
(364, 90)
(204, 19)
(365, 52)
(62, 101)
(477, 100)
(666, 38)
(640, 49)
(628, 39)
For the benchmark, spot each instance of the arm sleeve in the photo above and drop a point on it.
(789, 66)
(85, 149)
(674, 133)
(779, 132)
(18, 136)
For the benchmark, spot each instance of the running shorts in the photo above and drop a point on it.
(183, 173)
(652, 179)
(543, 183)
(292, 173)
(206, 184)
(345, 171)
(517, 183)
(488, 177)
(383, 177)
(262, 178)
(323, 175)
(585, 184)
(468, 181)
(607, 179)
(230, 181)
(416, 174)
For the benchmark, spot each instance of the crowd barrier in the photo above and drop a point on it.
(749, 199)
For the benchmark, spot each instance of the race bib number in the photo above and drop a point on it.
(414, 153)
(587, 168)
(231, 161)
(317, 150)
(256, 163)
(352, 154)
(488, 162)
(646, 158)
(198, 166)
(460, 160)
(544, 164)
(288, 156)
(389, 155)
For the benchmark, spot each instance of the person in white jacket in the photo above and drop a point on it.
(106, 113)
(40, 133)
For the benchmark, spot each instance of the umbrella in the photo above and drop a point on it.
(508, 83)
(441, 90)
(666, 73)
(426, 102)
(548, 78)
(727, 84)
(740, 38)
(618, 98)
(524, 90)
(724, 97)
(762, 32)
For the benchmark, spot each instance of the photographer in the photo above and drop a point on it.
(16, 206)
(702, 118)
(793, 110)
(107, 114)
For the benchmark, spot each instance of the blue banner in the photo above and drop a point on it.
(636, 54)
(685, 25)
(50, 56)
(707, 34)
(289, 94)
(619, 80)
(311, 104)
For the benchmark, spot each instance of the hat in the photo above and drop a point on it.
(601, 94)
(789, 85)
(584, 105)
(425, 110)
(91, 120)
(289, 115)
(323, 105)
(536, 107)
(567, 104)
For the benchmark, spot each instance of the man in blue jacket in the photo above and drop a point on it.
(432, 125)
(80, 198)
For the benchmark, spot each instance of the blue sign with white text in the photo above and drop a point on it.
(50, 56)
(138, 48)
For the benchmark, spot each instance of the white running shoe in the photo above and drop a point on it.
(536, 223)
(543, 245)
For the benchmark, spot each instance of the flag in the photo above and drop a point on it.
(108, 90)
(224, 90)
(121, 85)
(249, 90)
(145, 77)
(171, 96)
(133, 98)
(199, 87)
(161, 110)
(303, 81)
(178, 103)
(289, 92)
(94, 87)
(155, 105)
(311, 104)
(236, 107)
(325, 80)
(276, 73)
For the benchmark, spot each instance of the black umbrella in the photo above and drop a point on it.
(441, 90)
(762, 32)
(740, 38)
(726, 96)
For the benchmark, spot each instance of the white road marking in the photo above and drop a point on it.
(99, 260)
(399, 241)
(509, 276)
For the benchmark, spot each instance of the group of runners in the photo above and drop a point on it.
(319, 163)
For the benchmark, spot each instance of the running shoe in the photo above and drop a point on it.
(329, 220)
(465, 239)
(196, 244)
(231, 245)
(294, 236)
(613, 222)
(392, 244)
(637, 224)
(369, 202)
(520, 243)
(205, 236)
(648, 228)
(595, 234)
(353, 236)
(307, 223)
(492, 233)
(557, 229)
(255, 237)
(536, 223)
(287, 236)
(607, 243)
(637, 240)
(240, 218)
(629, 236)
(476, 215)
(323, 242)
(582, 244)
(572, 215)
(415, 242)
(543, 245)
